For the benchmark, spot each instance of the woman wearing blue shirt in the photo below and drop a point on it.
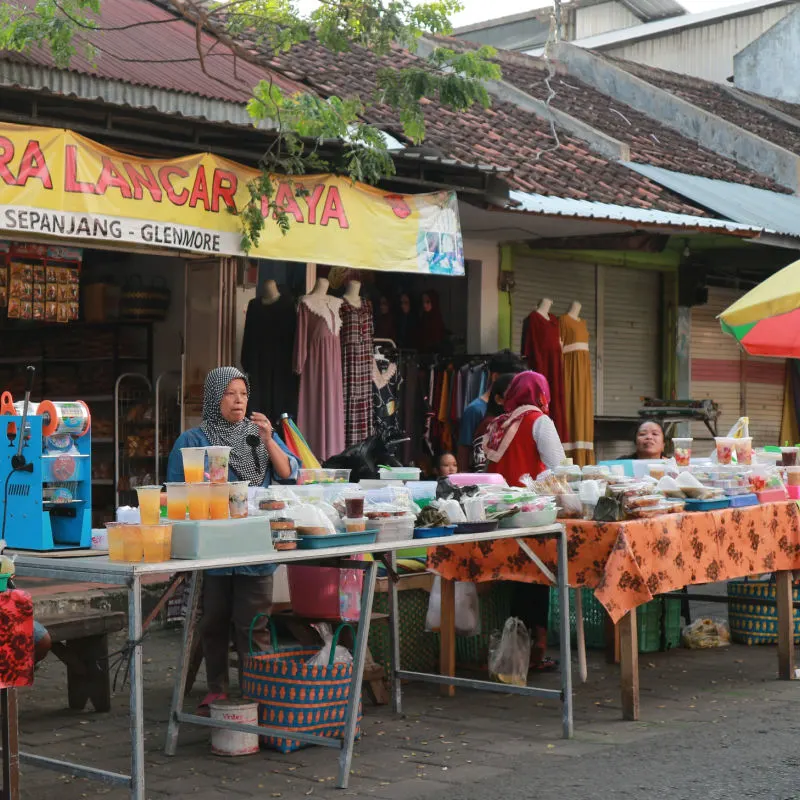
(258, 456)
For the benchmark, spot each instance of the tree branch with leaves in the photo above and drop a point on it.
(259, 32)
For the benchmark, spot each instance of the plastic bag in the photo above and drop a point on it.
(340, 656)
(468, 619)
(510, 653)
(310, 520)
(705, 633)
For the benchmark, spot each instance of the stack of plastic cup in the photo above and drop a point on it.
(149, 504)
(177, 500)
(199, 501)
(220, 498)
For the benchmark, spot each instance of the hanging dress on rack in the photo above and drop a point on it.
(542, 347)
(267, 346)
(578, 390)
(318, 361)
(357, 360)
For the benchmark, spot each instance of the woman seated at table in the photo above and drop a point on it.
(524, 441)
(649, 441)
(258, 456)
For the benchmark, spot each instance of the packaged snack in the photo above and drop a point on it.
(3, 276)
(39, 274)
(14, 304)
(63, 312)
(62, 293)
(15, 288)
(51, 291)
(50, 274)
(51, 312)
(26, 310)
(3, 296)
(38, 292)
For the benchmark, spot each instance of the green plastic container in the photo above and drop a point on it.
(4, 579)
(649, 617)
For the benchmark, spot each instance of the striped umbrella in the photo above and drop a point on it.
(766, 321)
(297, 444)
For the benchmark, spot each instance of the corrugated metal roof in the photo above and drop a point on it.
(585, 209)
(654, 9)
(662, 27)
(17, 75)
(131, 55)
(773, 212)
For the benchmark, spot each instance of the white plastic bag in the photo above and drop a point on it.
(510, 653)
(341, 654)
(468, 618)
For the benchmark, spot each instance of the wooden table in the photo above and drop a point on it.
(629, 563)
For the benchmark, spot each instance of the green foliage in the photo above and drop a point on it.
(302, 121)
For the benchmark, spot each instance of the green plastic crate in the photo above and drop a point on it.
(418, 651)
(648, 617)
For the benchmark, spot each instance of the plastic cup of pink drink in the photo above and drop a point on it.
(744, 450)
(682, 449)
(725, 448)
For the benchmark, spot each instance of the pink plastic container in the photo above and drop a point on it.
(477, 479)
(325, 592)
(771, 496)
(794, 492)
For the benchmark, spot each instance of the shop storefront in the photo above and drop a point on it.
(156, 285)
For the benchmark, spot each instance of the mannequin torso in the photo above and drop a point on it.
(543, 309)
(270, 293)
(575, 310)
(320, 287)
(353, 294)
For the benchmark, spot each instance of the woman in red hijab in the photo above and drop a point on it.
(524, 441)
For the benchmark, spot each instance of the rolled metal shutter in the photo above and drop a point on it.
(631, 347)
(723, 372)
(562, 282)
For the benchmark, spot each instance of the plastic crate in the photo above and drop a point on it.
(418, 650)
(649, 619)
(753, 623)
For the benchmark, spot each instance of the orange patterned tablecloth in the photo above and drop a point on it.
(627, 563)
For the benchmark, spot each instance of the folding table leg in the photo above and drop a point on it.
(629, 665)
(137, 689)
(184, 662)
(359, 656)
(394, 641)
(566, 656)
(10, 737)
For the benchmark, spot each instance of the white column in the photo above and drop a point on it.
(483, 268)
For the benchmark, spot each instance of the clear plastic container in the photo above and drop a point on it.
(219, 501)
(177, 500)
(194, 464)
(400, 474)
(149, 504)
(393, 529)
(156, 542)
(792, 476)
(355, 525)
(116, 548)
(789, 456)
(199, 500)
(354, 505)
(218, 460)
(657, 470)
(237, 499)
(306, 476)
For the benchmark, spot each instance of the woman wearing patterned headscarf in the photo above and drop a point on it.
(524, 441)
(258, 456)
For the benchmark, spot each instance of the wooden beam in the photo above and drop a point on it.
(786, 659)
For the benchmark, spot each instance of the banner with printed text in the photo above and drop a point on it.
(56, 183)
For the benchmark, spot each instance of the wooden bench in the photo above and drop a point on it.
(81, 643)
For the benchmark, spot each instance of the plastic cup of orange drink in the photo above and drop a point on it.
(177, 500)
(194, 464)
(157, 542)
(199, 500)
(220, 495)
(149, 504)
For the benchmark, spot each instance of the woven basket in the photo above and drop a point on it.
(756, 623)
(292, 695)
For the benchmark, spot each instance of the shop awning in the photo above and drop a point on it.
(57, 184)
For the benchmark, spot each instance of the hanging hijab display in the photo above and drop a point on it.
(249, 458)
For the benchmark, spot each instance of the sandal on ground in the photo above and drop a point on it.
(204, 709)
(545, 665)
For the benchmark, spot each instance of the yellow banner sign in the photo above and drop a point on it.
(56, 183)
